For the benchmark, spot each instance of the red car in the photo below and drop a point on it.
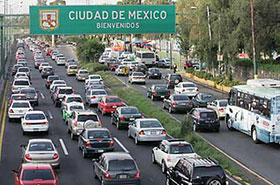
(16, 97)
(109, 104)
(34, 174)
(19, 56)
(48, 51)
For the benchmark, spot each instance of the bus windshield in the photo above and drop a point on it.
(148, 55)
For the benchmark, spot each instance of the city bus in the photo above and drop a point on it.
(146, 57)
(264, 83)
(255, 111)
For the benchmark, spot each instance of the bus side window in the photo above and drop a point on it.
(232, 98)
(266, 108)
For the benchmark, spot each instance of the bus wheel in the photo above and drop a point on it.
(255, 135)
(229, 123)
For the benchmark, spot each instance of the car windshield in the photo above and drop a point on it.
(41, 146)
(74, 99)
(208, 171)
(84, 118)
(208, 115)
(20, 105)
(73, 67)
(98, 134)
(181, 149)
(181, 98)
(129, 111)
(38, 174)
(188, 85)
(98, 92)
(161, 88)
(29, 91)
(174, 77)
(83, 72)
(95, 77)
(59, 82)
(223, 103)
(207, 97)
(122, 165)
(21, 83)
(34, 116)
(53, 78)
(150, 124)
(76, 107)
(65, 91)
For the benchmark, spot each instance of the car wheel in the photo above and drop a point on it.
(167, 181)
(72, 136)
(195, 128)
(68, 130)
(170, 110)
(84, 154)
(94, 174)
(153, 158)
(163, 106)
(229, 123)
(136, 140)
(214, 182)
(163, 167)
(148, 96)
(118, 125)
(152, 98)
(112, 121)
(23, 132)
(255, 135)
(10, 119)
(128, 134)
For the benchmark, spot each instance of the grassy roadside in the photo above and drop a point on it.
(174, 128)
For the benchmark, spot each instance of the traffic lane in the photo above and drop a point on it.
(236, 144)
(150, 173)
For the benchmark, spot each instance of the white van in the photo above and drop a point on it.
(146, 57)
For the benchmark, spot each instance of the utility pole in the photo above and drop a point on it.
(209, 26)
(253, 40)
(2, 44)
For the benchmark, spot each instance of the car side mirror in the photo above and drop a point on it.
(95, 160)
(22, 145)
(14, 171)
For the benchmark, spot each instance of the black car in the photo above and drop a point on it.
(203, 99)
(204, 119)
(154, 73)
(140, 68)
(158, 91)
(177, 103)
(47, 71)
(95, 141)
(196, 171)
(125, 115)
(50, 79)
(115, 168)
(31, 95)
(172, 79)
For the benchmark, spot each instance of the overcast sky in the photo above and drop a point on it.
(18, 7)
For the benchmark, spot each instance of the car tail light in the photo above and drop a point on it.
(198, 117)
(44, 123)
(168, 92)
(13, 87)
(55, 156)
(155, 93)
(74, 92)
(99, 123)
(122, 119)
(208, 166)
(137, 176)
(168, 159)
(30, 110)
(273, 127)
(107, 176)
(10, 102)
(93, 97)
(75, 123)
(183, 90)
(221, 110)
(111, 143)
(28, 157)
(88, 143)
(163, 132)
(27, 123)
(48, 81)
(11, 111)
(190, 103)
(141, 132)
(174, 103)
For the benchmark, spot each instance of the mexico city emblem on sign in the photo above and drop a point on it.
(49, 19)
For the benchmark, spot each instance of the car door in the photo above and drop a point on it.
(88, 92)
(17, 176)
(82, 138)
(161, 153)
(71, 120)
(115, 116)
(177, 88)
(101, 103)
(132, 128)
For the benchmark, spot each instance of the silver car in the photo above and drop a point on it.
(146, 130)
(40, 151)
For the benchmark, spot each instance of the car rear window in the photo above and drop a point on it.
(53, 78)
(76, 107)
(42, 174)
(174, 77)
(41, 146)
(206, 115)
(23, 70)
(83, 72)
(36, 116)
(113, 100)
(161, 88)
(129, 111)
(73, 67)
(181, 98)
(65, 91)
(74, 99)
(98, 92)
(181, 149)
(189, 85)
(150, 124)
(47, 69)
(207, 97)
(18, 97)
(138, 74)
(59, 82)
(24, 91)
(84, 118)
(95, 77)
(207, 171)
(98, 134)
(21, 83)
(122, 165)
(223, 103)
(20, 105)
(154, 70)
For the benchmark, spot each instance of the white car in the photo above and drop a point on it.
(61, 61)
(21, 75)
(56, 82)
(93, 96)
(18, 109)
(94, 78)
(219, 106)
(137, 77)
(71, 98)
(25, 70)
(119, 70)
(42, 65)
(19, 84)
(169, 152)
(187, 88)
(34, 121)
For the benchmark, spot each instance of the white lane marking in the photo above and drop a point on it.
(42, 95)
(233, 180)
(121, 145)
(50, 114)
(143, 86)
(63, 147)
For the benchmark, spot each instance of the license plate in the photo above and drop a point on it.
(156, 74)
(184, 104)
(114, 106)
(123, 176)
(100, 151)
(35, 129)
(20, 111)
(131, 119)
(153, 132)
(162, 96)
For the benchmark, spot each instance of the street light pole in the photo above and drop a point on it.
(253, 40)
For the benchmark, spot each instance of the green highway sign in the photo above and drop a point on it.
(102, 19)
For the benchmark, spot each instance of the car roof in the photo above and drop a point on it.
(39, 140)
(21, 79)
(147, 119)
(117, 155)
(174, 141)
(201, 162)
(204, 110)
(18, 95)
(74, 103)
(97, 129)
(65, 87)
(72, 95)
(85, 112)
(36, 166)
(35, 112)
(21, 101)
